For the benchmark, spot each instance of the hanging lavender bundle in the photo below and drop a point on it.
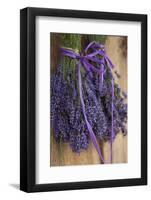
(87, 104)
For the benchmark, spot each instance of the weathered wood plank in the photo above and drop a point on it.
(116, 48)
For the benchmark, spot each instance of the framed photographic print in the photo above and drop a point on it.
(83, 99)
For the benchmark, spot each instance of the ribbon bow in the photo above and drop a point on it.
(83, 60)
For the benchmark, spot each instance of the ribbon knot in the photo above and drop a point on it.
(81, 58)
(96, 61)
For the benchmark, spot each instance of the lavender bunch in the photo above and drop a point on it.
(67, 117)
(94, 108)
(119, 105)
(66, 112)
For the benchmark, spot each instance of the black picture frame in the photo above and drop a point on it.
(28, 98)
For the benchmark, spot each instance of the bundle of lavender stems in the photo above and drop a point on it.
(86, 102)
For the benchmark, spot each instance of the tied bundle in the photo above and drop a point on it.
(87, 104)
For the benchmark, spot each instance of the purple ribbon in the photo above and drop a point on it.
(83, 60)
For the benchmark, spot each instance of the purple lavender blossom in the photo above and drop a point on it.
(67, 117)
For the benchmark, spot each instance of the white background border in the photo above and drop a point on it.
(47, 174)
